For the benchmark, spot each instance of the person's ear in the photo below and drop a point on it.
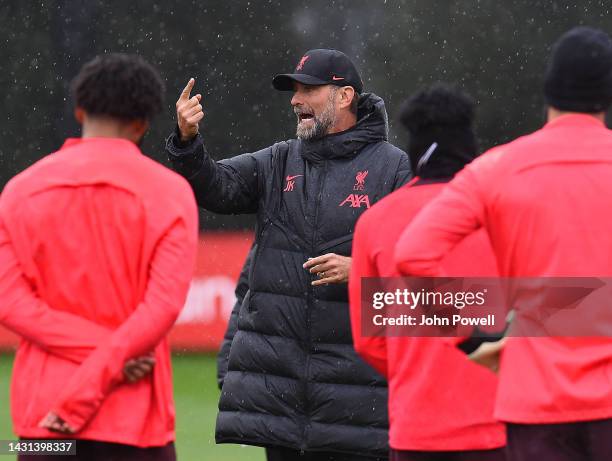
(138, 128)
(79, 115)
(347, 93)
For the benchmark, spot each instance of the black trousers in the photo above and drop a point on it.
(89, 450)
(287, 454)
(472, 455)
(581, 441)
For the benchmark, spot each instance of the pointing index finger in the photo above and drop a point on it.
(187, 90)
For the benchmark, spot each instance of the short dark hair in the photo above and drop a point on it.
(439, 105)
(120, 86)
(441, 114)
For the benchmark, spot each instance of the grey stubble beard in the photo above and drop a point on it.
(321, 124)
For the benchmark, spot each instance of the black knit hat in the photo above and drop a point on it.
(579, 75)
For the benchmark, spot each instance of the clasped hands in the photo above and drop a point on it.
(133, 371)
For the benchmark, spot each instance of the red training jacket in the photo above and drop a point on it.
(438, 399)
(544, 200)
(97, 250)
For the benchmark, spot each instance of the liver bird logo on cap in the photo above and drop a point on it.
(300, 65)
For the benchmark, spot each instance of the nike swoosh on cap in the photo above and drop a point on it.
(337, 78)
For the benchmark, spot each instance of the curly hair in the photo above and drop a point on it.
(440, 117)
(120, 86)
(438, 105)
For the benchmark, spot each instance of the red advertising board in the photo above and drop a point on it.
(202, 323)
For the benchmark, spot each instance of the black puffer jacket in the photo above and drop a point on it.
(294, 379)
(232, 325)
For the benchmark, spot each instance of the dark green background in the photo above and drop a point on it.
(495, 50)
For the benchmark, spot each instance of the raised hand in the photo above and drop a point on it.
(189, 112)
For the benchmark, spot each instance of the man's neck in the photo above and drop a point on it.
(553, 114)
(343, 123)
(102, 128)
(107, 127)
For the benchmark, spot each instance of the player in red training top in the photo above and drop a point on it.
(97, 248)
(440, 403)
(544, 200)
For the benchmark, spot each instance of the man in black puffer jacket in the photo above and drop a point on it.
(294, 382)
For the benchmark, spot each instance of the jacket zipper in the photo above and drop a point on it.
(309, 298)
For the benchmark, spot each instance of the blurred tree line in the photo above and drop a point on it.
(495, 50)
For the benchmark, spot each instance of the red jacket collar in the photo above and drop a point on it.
(574, 119)
(71, 142)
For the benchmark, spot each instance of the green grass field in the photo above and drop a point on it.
(196, 397)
